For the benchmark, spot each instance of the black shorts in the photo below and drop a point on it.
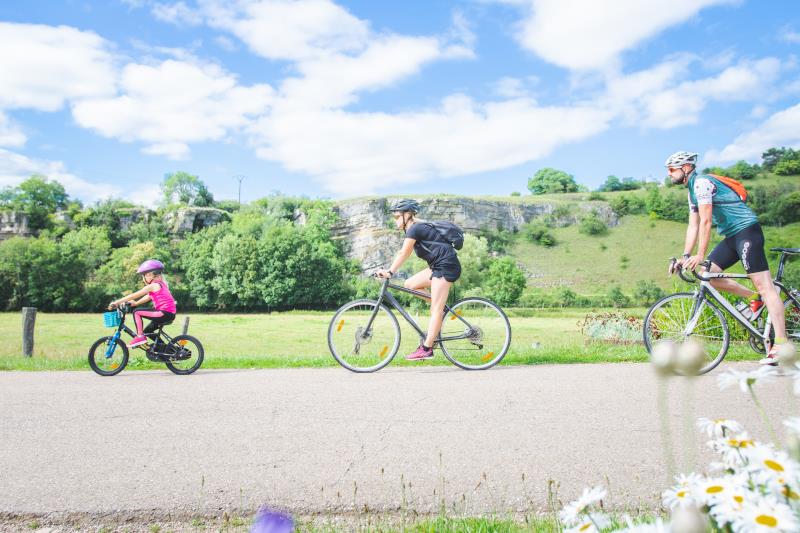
(450, 270)
(747, 245)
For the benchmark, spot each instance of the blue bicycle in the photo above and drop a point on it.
(108, 356)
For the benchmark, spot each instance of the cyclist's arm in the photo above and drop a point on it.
(691, 232)
(403, 254)
(703, 235)
(143, 300)
(146, 290)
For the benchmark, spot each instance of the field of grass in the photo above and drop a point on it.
(636, 249)
(299, 339)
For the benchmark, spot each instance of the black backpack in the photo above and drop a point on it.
(449, 232)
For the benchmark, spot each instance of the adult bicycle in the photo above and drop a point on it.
(364, 335)
(108, 356)
(701, 315)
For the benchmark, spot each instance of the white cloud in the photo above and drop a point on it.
(789, 35)
(589, 35)
(654, 98)
(178, 13)
(778, 130)
(289, 30)
(43, 66)
(15, 168)
(171, 104)
(10, 133)
(358, 153)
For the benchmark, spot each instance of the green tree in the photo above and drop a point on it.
(647, 292)
(742, 170)
(617, 298)
(789, 167)
(592, 225)
(504, 281)
(539, 233)
(38, 197)
(773, 156)
(551, 180)
(187, 189)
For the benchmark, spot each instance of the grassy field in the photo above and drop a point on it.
(298, 339)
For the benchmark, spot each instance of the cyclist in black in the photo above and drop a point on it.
(443, 268)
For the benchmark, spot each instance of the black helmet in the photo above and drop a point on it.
(404, 205)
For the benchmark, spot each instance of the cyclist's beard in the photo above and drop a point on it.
(679, 181)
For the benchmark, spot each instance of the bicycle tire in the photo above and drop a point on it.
(473, 353)
(381, 353)
(654, 323)
(115, 367)
(179, 343)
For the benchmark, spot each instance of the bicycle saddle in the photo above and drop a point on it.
(786, 250)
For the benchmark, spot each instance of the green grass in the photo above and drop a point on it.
(298, 339)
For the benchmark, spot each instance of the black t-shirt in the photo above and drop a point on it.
(430, 245)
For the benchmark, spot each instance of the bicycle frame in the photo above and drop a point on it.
(707, 291)
(386, 296)
(159, 334)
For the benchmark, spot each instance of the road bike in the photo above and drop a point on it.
(700, 315)
(364, 335)
(108, 356)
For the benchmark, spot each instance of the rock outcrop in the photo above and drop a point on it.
(13, 224)
(192, 219)
(371, 238)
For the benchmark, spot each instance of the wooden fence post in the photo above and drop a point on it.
(185, 325)
(28, 321)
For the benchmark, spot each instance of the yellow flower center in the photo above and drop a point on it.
(681, 493)
(714, 489)
(585, 526)
(740, 443)
(773, 465)
(766, 520)
(738, 499)
(789, 493)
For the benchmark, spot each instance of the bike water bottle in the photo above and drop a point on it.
(755, 305)
(744, 308)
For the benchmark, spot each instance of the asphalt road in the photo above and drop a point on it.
(326, 440)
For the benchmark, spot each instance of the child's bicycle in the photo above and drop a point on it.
(183, 354)
(364, 335)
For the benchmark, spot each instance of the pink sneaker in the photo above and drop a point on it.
(772, 357)
(136, 341)
(422, 353)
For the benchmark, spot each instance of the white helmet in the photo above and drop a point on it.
(678, 159)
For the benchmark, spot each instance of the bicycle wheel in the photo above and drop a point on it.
(486, 330)
(360, 349)
(108, 356)
(668, 319)
(188, 356)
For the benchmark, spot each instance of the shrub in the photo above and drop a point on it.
(592, 225)
(538, 233)
(612, 327)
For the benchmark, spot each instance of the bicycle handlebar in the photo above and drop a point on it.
(681, 271)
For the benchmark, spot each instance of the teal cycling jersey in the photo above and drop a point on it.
(728, 212)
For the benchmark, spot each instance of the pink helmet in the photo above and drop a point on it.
(150, 265)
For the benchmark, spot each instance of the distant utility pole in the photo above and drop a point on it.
(240, 178)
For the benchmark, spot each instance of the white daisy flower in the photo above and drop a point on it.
(774, 469)
(728, 506)
(718, 428)
(683, 492)
(713, 490)
(766, 514)
(793, 424)
(570, 514)
(590, 523)
(746, 380)
(735, 451)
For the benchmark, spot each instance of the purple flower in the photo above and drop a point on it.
(269, 521)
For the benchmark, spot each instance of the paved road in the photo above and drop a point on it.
(323, 440)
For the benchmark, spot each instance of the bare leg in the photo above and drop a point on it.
(440, 288)
(420, 280)
(764, 286)
(730, 285)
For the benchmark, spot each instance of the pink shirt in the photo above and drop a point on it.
(162, 298)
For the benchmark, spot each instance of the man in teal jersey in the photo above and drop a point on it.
(713, 202)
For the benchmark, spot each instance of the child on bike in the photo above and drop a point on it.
(443, 268)
(155, 290)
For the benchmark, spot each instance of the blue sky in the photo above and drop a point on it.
(339, 99)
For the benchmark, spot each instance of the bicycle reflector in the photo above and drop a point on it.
(111, 319)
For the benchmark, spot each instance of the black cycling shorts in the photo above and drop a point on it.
(449, 270)
(747, 246)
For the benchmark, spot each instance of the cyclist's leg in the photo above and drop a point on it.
(145, 313)
(754, 260)
(722, 257)
(419, 281)
(440, 288)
